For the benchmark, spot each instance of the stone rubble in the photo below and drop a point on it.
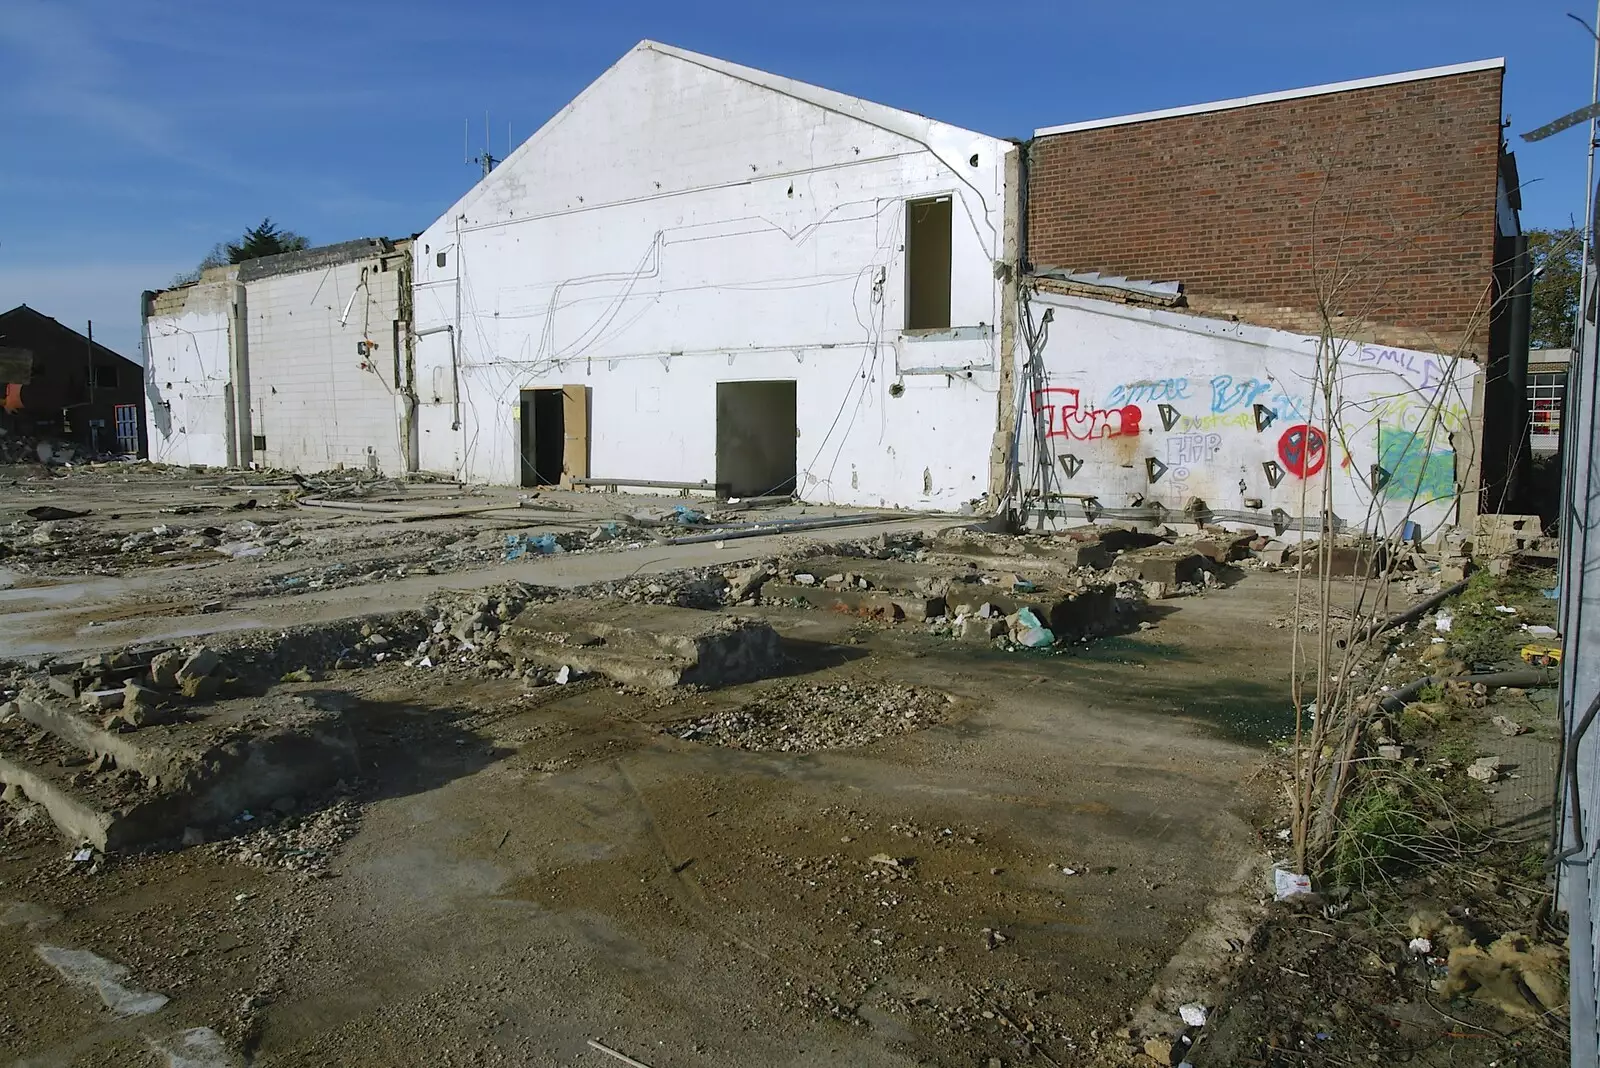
(803, 717)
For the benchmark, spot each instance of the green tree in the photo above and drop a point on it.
(1557, 274)
(265, 240)
(258, 241)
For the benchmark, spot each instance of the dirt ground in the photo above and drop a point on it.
(522, 872)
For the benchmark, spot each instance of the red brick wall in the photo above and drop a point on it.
(1391, 186)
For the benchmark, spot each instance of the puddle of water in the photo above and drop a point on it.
(85, 969)
(198, 1047)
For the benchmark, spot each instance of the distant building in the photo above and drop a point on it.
(57, 384)
(1547, 396)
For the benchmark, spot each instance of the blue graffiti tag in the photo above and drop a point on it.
(1226, 394)
(1148, 391)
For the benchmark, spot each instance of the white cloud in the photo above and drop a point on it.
(106, 293)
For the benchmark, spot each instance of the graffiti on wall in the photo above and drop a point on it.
(1065, 417)
(1303, 449)
(1410, 467)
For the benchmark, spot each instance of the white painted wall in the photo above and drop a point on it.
(1112, 369)
(187, 375)
(318, 402)
(686, 221)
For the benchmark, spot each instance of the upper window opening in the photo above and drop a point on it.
(438, 259)
(928, 264)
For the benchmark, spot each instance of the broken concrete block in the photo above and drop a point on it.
(1155, 591)
(1484, 769)
(747, 583)
(128, 719)
(1171, 564)
(65, 685)
(134, 694)
(203, 662)
(101, 700)
(981, 628)
(1508, 727)
(8, 711)
(201, 687)
(164, 669)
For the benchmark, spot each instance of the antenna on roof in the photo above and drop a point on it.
(482, 159)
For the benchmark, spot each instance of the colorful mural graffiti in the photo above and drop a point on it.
(1239, 425)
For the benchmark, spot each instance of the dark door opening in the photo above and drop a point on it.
(542, 437)
(756, 432)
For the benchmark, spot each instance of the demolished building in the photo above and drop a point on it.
(296, 361)
(700, 272)
(1334, 285)
(702, 275)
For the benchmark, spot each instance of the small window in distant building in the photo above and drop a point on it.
(105, 377)
(438, 259)
(928, 264)
(258, 442)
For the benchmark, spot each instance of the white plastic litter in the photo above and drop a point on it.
(1443, 621)
(1507, 609)
(83, 856)
(1290, 884)
(1194, 1014)
(564, 676)
(1420, 946)
(1539, 630)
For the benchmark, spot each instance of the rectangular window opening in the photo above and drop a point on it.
(105, 377)
(928, 263)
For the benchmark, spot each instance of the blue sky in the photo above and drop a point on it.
(138, 133)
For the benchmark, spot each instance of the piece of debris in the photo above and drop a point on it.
(1508, 727)
(1420, 947)
(1194, 1014)
(47, 512)
(1484, 769)
(1289, 884)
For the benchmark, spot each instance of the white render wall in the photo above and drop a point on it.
(685, 222)
(1117, 375)
(318, 402)
(187, 375)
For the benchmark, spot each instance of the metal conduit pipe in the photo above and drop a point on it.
(1525, 677)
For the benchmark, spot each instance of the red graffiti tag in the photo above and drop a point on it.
(1065, 418)
(1303, 450)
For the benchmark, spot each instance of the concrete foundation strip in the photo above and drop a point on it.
(609, 1052)
(789, 526)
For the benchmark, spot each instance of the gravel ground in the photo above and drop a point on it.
(803, 718)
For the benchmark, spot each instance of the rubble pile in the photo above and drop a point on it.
(277, 838)
(129, 690)
(803, 718)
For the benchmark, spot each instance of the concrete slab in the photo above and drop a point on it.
(114, 791)
(871, 604)
(643, 644)
(1170, 564)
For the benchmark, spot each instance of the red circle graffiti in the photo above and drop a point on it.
(1130, 419)
(1303, 450)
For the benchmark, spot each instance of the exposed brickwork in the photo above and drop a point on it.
(1393, 186)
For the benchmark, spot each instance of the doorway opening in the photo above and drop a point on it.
(542, 436)
(756, 437)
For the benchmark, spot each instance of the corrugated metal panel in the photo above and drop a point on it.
(1579, 888)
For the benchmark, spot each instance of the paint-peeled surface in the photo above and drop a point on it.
(1156, 406)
